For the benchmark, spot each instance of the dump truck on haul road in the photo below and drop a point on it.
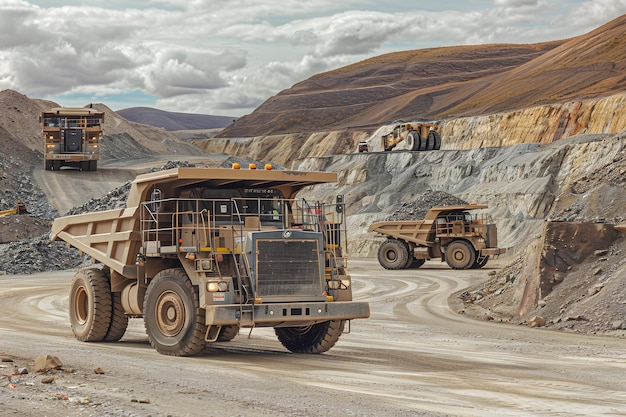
(412, 137)
(201, 252)
(452, 233)
(71, 137)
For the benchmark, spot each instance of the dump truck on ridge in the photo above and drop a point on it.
(451, 233)
(201, 252)
(412, 137)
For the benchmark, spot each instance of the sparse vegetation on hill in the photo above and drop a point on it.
(444, 83)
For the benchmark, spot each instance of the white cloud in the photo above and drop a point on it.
(515, 3)
(228, 56)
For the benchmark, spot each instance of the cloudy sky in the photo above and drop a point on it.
(225, 57)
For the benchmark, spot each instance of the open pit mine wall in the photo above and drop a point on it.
(541, 124)
(522, 184)
(485, 159)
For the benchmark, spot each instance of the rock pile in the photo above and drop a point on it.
(416, 209)
(39, 254)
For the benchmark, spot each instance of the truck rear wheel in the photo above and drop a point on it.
(393, 254)
(90, 305)
(480, 261)
(460, 255)
(172, 316)
(316, 338)
(228, 333)
(119, 319)
(435, 137)
(416, 263)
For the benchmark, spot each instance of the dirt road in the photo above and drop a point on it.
(66, 189)
(414, 356)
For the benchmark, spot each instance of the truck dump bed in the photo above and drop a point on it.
(113, 238)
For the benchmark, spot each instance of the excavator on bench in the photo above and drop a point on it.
(19, 208)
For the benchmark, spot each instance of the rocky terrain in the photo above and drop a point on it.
(552, 171)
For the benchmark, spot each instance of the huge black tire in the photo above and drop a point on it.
(413, 140)
(90, 305)
(119, 319)
(480, 261)
(228, 333)
(416, 263)
(172, 316)
(460, 254)
(393, 254)
(430, 142)
(48, 165)
(316, 338)
(436, 139)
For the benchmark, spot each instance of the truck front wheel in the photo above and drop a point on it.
(172, 316)
(460, 255)
(414, 141)
(393, 254)
(90, 305)
(316, 338)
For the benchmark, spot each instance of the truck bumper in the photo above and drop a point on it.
(492, 251)
(71, 157)
(274, 314)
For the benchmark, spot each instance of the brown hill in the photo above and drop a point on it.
(174, 121)
(123, 138)
(446, 82)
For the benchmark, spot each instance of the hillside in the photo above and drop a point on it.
(172, 121)
(19, 116)
(443, 83)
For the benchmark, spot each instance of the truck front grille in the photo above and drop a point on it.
(288, 267)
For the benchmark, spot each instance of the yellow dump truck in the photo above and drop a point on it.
(72, 138)
(452, 233)
(412, 137)
(201, 252)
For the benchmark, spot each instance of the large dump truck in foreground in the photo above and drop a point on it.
(201, 252)
(451, 233)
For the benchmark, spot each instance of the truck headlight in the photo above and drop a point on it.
(216, 286)
(334, 284)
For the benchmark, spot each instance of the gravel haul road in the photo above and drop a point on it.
(413, 356)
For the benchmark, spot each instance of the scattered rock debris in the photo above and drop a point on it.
(37, 253)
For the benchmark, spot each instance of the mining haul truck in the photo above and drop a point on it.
(201, 252)
(71, 137)
(451, 233)
(412, 137)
